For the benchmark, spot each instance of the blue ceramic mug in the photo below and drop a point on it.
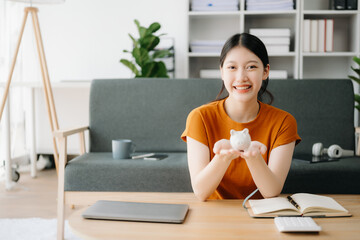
(122, 148)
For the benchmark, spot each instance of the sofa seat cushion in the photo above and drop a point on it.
(100, 172)
(335, 177)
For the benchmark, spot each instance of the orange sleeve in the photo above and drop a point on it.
(287, 132)
(195, 128)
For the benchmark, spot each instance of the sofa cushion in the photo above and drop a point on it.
(336, 177)
(100, 172)
(150, 112)
(323, 109)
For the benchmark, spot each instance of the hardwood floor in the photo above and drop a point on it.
(31, 197)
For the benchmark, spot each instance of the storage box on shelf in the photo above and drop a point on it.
(276, 40)
(214, 5)
(256, 5)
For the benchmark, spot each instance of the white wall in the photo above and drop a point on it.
(72, 108)
(85, 39)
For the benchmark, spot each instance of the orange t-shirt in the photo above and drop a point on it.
(210, 123)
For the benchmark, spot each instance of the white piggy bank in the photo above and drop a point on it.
(240, 140)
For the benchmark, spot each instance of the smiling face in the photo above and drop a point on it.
(243, 73)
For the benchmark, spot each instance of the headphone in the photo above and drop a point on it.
(334, 151)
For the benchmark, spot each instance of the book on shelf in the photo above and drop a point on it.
(306, 35)
(321, 35)
(299, 204)
(313, 35)
(329, 35)
(318, 35)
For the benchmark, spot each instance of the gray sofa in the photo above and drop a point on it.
(152, 112)
(324, 110)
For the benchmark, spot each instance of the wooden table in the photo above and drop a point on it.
(215, 219)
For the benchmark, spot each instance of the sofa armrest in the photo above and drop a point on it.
(62, 135)
(68, 132)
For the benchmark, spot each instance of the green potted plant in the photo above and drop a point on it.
(356, 79)
(357, 106)
(145, 55)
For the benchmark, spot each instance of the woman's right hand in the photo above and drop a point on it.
(224, 150)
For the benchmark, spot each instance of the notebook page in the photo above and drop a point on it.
(312, 202)
(270, 205)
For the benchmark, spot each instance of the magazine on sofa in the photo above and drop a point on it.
(299, 204)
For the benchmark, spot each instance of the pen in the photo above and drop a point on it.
(142, 155)
(293, 202)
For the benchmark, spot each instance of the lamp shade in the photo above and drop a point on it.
(39, 1)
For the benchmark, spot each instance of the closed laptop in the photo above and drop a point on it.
(137, 211)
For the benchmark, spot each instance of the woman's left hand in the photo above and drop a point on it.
(255, 149)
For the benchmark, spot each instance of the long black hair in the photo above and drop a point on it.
(256, 46)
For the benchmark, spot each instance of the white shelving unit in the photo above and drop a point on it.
(298, 64)
(334, 64)
(209, 26)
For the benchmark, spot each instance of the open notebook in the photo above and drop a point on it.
(300, 204)
(137, 211)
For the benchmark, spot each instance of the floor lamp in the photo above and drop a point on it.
(49, 99)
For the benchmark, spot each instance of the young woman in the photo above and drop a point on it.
(219, 172)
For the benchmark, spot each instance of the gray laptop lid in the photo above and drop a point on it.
(137, 211)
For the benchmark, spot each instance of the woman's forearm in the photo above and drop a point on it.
(270, 178)
(267, 182)
(207, 174)
(208, 179)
